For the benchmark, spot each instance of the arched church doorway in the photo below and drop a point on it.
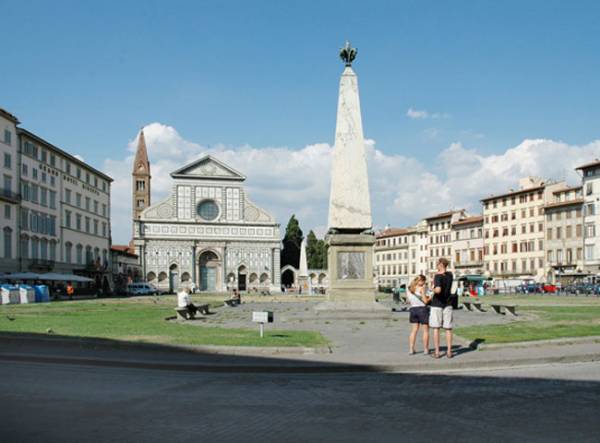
(242, 273)
(208, 271)
(287, 278)
(173, 280)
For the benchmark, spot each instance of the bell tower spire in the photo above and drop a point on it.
(141, 178)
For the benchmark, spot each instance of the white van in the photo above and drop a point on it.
(141, 289)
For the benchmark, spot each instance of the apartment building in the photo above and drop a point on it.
(400, 255)
(392, 256)
(60, 208)
(439, 232)
(564, 235)
(9, 195)
(514, 229)
(591, 215)
(467, 245)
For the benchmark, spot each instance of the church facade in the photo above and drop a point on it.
(206, 233)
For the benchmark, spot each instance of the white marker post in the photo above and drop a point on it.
(262, 317)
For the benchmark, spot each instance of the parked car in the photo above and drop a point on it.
(549, 289)
(141, 289)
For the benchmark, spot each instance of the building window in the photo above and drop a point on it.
(79, 251)
(7, 137)
(87, 203)
(78, 222)
(7, 160)
(7, 242)
(589, 189)
(68, 219)
(590, 230)
(140, 185)
(25, 247)
(7, 212)
(140, 204)
(7, 184)
(68, 252)
(590, 209)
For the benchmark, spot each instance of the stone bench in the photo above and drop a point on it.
(231, 302)
(184, 313)
(500, 309)
(471, 304)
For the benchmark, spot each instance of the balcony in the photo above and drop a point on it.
(9, 196)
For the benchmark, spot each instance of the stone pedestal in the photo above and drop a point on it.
(304, 284)
(351, 286)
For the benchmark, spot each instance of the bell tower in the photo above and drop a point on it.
(141, 178)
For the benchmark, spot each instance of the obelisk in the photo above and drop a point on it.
(350, 236)
(303, 271)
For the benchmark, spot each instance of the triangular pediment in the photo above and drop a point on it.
(208, 167)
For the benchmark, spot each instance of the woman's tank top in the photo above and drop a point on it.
(414, 300)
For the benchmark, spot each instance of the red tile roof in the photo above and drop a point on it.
(596, 162)
(393, 232)
(469, 220)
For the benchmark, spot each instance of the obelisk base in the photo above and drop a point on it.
(303, 284)
(350, 266)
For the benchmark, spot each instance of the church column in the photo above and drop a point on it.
(224, 279)
(194, 264)
(276, 268)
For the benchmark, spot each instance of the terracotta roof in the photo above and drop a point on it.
(444, 214)
(4, 113)
(511, 193)
(469, 220)
(393, 232)
(596, 162)
(123, 249)
(577, 201)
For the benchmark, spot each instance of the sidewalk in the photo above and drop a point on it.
(131, 355)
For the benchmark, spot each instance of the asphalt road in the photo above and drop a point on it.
(61, 403)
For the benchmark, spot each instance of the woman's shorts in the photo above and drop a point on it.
(419, 314)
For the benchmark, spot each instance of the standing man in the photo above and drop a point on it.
(441, 307)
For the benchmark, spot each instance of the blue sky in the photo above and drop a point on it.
(86, 76)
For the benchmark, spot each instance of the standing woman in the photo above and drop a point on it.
(418, 313)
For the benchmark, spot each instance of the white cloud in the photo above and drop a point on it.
(423, 114)
(283, 180)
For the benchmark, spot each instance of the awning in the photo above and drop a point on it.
(22, 276)
(50, 276)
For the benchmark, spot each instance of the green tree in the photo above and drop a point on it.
(313, 251)
(290, 254)
(316, 252)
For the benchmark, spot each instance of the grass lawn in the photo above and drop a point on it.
(548, 317)
(140, 319)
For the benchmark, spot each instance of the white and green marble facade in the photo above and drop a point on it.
(178, 246)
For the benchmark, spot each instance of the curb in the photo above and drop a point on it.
(529, 344)
(294, 369)
(205, 349)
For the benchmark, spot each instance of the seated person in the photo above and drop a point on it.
(235, 295)
(184, 301)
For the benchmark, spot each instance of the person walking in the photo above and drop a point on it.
(70, 291)
(418, 313)
(441, 307)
